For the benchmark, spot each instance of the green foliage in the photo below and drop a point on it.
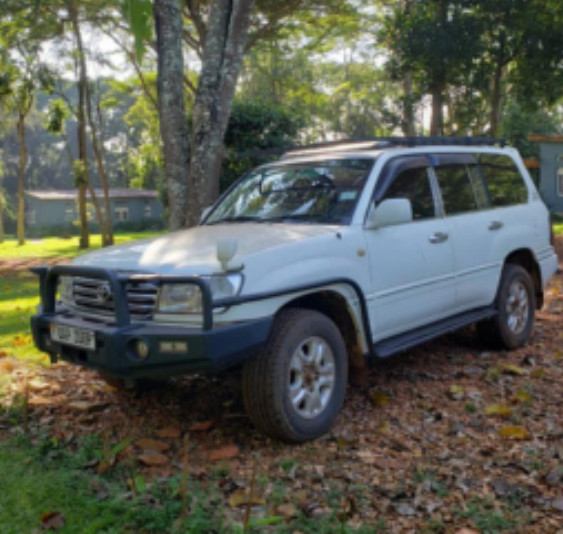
(138, 14)
(255, 127)
(79, 172)
(57, 114)
(518, 123)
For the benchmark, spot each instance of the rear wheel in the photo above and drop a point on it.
(294, 389)
(516, 305)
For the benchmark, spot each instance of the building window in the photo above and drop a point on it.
(121, 213)
(31, 217)
(69, 214)
(148, 210)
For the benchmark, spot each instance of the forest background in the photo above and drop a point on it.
(183, 96)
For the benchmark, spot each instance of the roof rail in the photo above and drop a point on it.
(373, 143)
(354, 145)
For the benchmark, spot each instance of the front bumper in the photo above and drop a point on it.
(208, 349)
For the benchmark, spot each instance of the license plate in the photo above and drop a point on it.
(70, 335)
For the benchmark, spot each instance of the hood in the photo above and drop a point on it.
(193, 251)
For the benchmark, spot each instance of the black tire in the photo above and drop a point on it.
(139, 385)
(267, 377)
(497, 331)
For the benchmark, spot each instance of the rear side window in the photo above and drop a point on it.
(457, 189)
(414, 185)
(504, 181)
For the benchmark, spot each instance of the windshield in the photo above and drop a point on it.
(324, 192)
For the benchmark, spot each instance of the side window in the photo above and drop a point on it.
(457, 189)
(504, 181)
(414, 185)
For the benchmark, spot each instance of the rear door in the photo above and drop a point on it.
(475, 227)
(412, 264)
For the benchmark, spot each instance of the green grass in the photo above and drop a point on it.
(19, 297)
(52, 247)
(29, 490)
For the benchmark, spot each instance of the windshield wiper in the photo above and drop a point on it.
(296, 217)
(238, 218)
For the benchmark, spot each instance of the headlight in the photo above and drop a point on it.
(65, 288)
(187, 298)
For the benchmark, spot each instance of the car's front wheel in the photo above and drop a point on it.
(294, 389)
(516, 305)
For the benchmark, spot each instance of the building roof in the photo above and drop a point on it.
(543, 138)
(71, 194)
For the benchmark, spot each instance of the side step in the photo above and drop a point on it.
(393, 345)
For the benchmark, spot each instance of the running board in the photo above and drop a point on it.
(393, 345)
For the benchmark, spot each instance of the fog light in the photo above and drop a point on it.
(141, 349)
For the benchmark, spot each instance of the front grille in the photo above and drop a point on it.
(93, 297)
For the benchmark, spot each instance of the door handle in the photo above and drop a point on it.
(495, 225)
(438, 237)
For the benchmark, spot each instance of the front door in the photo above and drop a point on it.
(412, 264)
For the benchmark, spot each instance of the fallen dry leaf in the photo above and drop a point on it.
(154, 460)
(201, 427)
(87, 407)
(523, 396)
(169, 432)
(224, 453)
(152, 445)
(52, 521)
(242, 497)
(287, 510)
(379, 398)
(498, 409)
(512, 370)
(515, 432)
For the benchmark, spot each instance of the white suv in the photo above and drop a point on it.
(309, 265)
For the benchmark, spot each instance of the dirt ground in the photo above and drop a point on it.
(438, 439)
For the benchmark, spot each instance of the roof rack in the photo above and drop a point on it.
(354, 145)
(373, 143)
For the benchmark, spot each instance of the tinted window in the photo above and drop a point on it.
(504, 181)
(457, 191)
(479, 187)
(414, 184)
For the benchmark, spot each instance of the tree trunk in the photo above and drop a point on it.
(223, 52)
(437, 122)
(173, 124)
(21, 178)
(409, 128)
(105, 222)
(82, 151)
(496, 101)
(1, 214)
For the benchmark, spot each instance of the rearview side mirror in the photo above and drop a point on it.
(390, 212)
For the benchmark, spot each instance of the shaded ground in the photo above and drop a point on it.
(447, 436)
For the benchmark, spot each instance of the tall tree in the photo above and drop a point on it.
(223, 51)
(173, 125)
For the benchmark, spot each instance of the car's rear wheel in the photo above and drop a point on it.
(516, 305)
(294, 389)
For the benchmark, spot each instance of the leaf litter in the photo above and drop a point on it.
(442, 439)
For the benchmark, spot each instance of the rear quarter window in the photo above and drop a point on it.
(504, 181)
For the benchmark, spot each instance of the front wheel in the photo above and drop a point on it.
(516, 305)
(294, 389)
